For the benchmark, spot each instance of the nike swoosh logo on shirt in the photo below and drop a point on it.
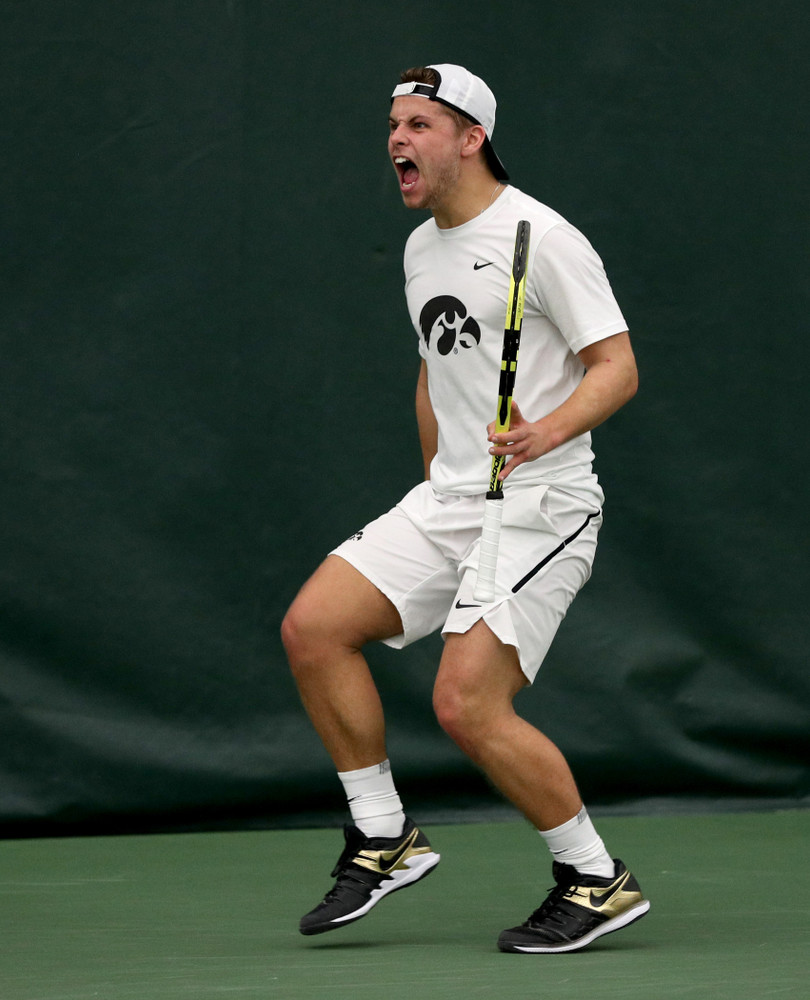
(461, 606)
(477, 266)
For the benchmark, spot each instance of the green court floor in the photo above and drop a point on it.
(214, 915)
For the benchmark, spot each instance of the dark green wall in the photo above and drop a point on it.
(207, 375)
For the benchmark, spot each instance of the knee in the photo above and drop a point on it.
(459, 713)
(300, 636)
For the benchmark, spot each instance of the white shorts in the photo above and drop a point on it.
(423, 555)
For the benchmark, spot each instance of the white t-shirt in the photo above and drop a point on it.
(456, 284)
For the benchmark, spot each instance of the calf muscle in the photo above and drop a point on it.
(333, 617)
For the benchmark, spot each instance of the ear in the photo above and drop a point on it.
(473, 140)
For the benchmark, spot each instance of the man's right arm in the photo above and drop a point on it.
(426, 421)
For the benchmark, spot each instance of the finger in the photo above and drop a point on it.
(508, 447)
(517, 435)
(510, 466)
(516, 419)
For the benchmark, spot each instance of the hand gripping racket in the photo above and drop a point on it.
(493, 505)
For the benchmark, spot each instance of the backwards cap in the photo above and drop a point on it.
(460, 90)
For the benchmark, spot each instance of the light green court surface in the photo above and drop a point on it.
(213, 915)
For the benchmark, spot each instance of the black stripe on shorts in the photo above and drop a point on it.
(543, 562)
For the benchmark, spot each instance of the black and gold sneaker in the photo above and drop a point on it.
(368, 869)
(578, 910)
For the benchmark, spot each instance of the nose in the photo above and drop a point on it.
(395, 137)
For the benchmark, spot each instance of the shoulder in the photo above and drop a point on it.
(519, 205)
(418, 244)
(553, 238)
(421, 235)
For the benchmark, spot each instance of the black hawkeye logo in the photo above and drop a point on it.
(445, 321)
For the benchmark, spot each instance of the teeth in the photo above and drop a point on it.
(400, 159)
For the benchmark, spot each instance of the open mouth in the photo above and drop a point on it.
(408, 172)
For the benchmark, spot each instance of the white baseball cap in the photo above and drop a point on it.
(460, 90)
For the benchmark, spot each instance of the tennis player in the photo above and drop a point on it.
(413, 571)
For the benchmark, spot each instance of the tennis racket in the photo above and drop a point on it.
(493, 505)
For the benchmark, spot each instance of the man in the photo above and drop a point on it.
(413, 570)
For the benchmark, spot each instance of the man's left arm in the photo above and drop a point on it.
(610, 380)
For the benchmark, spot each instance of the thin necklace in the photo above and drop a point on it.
(497, 186)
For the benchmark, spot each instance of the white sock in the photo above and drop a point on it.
(373, 800)
(577, 843)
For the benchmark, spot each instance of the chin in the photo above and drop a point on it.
(413, 200)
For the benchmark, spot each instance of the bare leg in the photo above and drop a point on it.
(478, 679)
(335, 614)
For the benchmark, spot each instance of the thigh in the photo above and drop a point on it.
(477, 664)
(339, 603)
(412, 572)
(547, 547)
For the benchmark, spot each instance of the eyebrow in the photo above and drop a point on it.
(420, 114)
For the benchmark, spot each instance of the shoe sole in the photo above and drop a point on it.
(622, 920)
(418, 867)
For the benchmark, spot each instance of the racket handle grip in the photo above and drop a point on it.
(488, 551)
